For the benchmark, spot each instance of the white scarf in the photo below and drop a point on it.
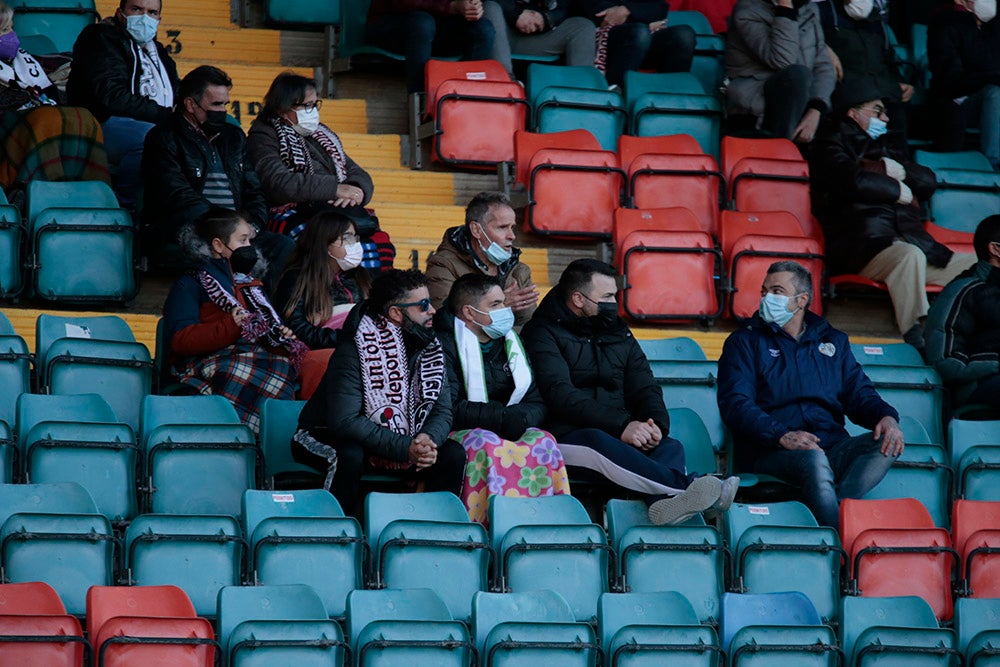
(24, 72)
(470, 355)
(154, 81)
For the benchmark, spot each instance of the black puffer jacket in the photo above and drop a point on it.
(335, 412)
(106, 73)
(344, 290)
(175, 165)
(509, 422)
(856, 201)
(590, 376)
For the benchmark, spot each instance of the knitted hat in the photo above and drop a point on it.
(853, 92)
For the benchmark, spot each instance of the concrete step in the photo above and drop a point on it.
(183, 12)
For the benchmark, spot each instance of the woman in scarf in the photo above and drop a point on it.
(498, 408)
(224, 336)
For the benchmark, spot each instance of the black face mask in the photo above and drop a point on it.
(215, 120)
(607, 313)
(243, 259)
(418, 336)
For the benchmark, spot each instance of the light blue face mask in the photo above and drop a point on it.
(142, 27)
(774, 309)
(501, 322)
(494, 252)
(876, 127)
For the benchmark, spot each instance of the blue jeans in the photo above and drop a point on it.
(123, 140)
(849, 469)
(982, 110)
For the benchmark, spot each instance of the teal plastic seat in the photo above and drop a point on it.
(278, 422)
(303, 12)
(921, 472)
(977, 622)
(969, 160)
(49, 498)
(894, 631)
(917, 392)
(787, 608)
(15, 378)
(674, 103)
(779, 547)
(887, 354)
(780, 645)
(303, 537)
(681, 348)
(975, 458)
(426, 539)
(550, 542)
(653, 628)
(709, 49)
(76, 438)
(530, 628)
(699, 455)
(694, 385)
(11, 237)
(199, 554)
(689, 559)
(964, 197)
(79, 224)
(413, 627)
(567, 98)
(59, 20)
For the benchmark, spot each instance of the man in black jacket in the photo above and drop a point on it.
(605, 408)
(385, 402)
(126, 78)
(195, 160)
(867, 196)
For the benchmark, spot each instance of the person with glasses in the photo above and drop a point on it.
(867, 194)
(385, 401)
(604, 407)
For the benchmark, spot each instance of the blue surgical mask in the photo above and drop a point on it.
(142, 27)
(501, 322)
(774, 309)
(496, 253)
(876, 127)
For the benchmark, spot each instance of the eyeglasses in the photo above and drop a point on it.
(310, 106)
(877, 110)
(347, 238)
(425, 304)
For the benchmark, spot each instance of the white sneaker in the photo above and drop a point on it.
(730, 486)
(701, 495)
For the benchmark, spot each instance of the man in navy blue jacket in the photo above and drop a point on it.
(787, 379)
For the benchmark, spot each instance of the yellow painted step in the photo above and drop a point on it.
(210, 45)
(183, 12)
(411, 187)
(23, 319)
(371, 151)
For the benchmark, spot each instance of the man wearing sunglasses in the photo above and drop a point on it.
(385, 403)
(867, 195)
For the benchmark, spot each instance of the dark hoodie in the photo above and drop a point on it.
(591, 374)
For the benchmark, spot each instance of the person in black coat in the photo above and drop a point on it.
(867, 196)
(385, 402)
(605, 408)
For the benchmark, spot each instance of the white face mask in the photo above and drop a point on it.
(859, 9)
(142, 27)
(355, 252)
(308, 121)
(985, 10)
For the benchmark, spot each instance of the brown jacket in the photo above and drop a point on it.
(454, 258)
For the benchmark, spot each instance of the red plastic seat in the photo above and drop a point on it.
(894, 549)
(526, 144)
(767, 184)
(689, 181)
(734, 149)
(955, 240)
(35, 629)
(976, 536)
(629, 147)
(35, 597)
(476, 109)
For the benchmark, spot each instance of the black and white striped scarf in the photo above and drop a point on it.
(295, 152)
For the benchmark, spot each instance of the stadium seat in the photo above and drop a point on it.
(977, 622)
(199, 554)
(199, 459)
(893, 548)
(131, 625)
(964, 197)
(278, 422)
(709, 49)
(303, 537)
(914, 391)
(975, 458)
(735, 149)
(693, 384)
(15, 379)
(887, 354)
(302, 13)
(413, 627)
(894, 631)
(568, 98)
(751, 242)
(36, 630)
(654, 247)
(75, 438)
(773, 629)
(740, 610)
(79, 224)
(780, 547)
(976, 536)
(59, 20)
(653, 628)
(473, 109)
(11, 237)
(573, 191)
(268, 625)
(550, 542)
(681, 348)
(920, 472)
(687, 427)
(674, 103)
(968, 160)
(95, 354)
(421, 540)
(530, 628)
(689, 559)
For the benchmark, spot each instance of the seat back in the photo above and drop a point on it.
(278, 422)
(381, 509)
(968, 160)
(33, 598)
(977, 621)
(964, 434)
(857, 516)
(542, 76)
(300, 643)
(617, 610)
(699, 455)
(50, 328)
(15, 379)
(437, 72)
(261, 505)
(963, 198)
(579, 99)
(302, 13)
(920, 472)
(740, 610)
(629, 220)
(914, 391)
(52, 498)
(690, 181)
(169, 410)
(680, 348)
(630, 147)
(237, 604)
(764, 184)
(526, 144)
(862, 613)
(887, 354)
(59, 20)
(107, 602)
(976, 537)
(11, 238)
(507, 513)
(693, 384)
(413, 604)
(52, 641)
(540, 606)
(574, 193)
(735, 149)
(32, 409)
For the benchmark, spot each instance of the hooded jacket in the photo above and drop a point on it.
(335, 412)
(454, 258)
(770, 384)
(509, 422)
(856, 201)
(106, 74)
(590, 374)
(963, 330)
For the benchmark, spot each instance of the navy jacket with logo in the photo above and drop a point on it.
(770, 384)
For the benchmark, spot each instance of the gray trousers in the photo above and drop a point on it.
(573, 37)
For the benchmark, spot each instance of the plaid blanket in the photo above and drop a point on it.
(52, 144)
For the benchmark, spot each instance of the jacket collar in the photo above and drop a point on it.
(460, 238)
(816, 328)
(554, 309)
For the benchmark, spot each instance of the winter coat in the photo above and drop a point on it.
(770, 384)
(963, 56)
(855, 200)
(590, 375)
(344, 290)
(106, 74)
(554, 12)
